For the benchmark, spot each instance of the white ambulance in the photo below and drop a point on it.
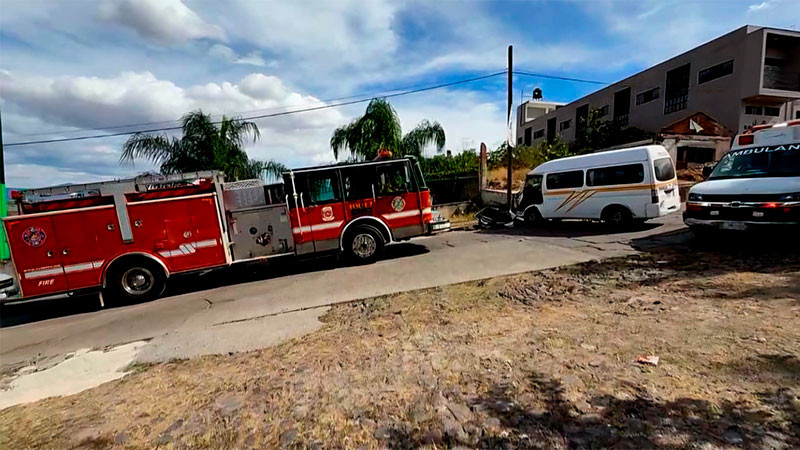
(756, 184)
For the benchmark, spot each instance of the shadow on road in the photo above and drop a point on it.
(14, 314)
(571, 229)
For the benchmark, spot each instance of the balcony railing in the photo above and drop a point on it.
(677, 103)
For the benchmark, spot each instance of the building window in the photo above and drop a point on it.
(772, 111)
(528, 132)
(753, 110)
(564, 125)
(797, 114)
(622, 107)
(602, 112)
(714, 72)
(607, 176)
(581, 120)
(538, 134)
(676, 94)
(565, 180)
(647, 96)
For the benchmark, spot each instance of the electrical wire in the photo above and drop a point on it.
(392, 93)
(556, 77)
(264, 116)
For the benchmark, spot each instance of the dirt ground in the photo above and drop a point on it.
(540, 360)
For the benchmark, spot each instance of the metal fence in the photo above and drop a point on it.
(452, 189)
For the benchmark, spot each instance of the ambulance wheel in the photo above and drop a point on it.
(364, 244)
(134, 280)
(617, 216)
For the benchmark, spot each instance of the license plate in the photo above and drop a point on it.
(758, 214)
(734, 226)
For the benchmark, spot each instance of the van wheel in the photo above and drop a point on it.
(617, 216)
(364, 244)
(533, 217)
(134, 280)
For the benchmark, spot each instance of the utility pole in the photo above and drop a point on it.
(4, 252)
(508, 124)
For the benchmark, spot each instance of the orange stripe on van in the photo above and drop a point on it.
(635, 187)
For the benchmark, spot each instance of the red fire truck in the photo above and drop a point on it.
(126, 238)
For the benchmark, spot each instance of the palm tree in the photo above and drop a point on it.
(379, 128)
(204, 145)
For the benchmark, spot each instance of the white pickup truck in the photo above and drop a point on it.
(756, 184)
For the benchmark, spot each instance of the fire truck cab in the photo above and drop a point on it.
(127, 237)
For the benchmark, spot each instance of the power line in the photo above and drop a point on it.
(277, 108)
(369, 96)
(556, 77)
(264, 116)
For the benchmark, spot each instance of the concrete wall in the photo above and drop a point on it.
(723, 99)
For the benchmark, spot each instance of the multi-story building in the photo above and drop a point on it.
(747, 77)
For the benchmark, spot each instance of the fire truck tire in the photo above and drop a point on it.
(134, 280)
(364, 244)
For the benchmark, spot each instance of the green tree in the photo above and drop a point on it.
(204, 145)
(599, 134)
(528, 157)
(379, 128)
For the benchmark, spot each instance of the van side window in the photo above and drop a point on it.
(564, 180)
(665, 170)
(627, 174)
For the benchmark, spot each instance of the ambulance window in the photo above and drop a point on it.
(393, 179)
(358, 182)
(323, 187)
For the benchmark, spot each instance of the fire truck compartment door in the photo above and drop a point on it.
(260, 231)
(37, 256)
(80, 255)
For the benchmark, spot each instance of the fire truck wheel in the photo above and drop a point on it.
(364, 244)
(135, 280)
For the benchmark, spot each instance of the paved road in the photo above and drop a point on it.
(245, 308)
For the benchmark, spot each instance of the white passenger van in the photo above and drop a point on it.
(618, 187)
(755, 185)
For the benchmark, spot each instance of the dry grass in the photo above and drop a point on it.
(540, 359)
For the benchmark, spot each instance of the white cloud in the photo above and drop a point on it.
(227, 54)
(468, 118)
(645, 37)
(133, 97)
(161, 21)
(758, 6)
(84, 102)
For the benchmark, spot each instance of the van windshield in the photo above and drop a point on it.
(768, 161)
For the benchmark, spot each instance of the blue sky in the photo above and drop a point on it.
(68, 66)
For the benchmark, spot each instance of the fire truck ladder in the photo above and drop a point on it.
(118, 188)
